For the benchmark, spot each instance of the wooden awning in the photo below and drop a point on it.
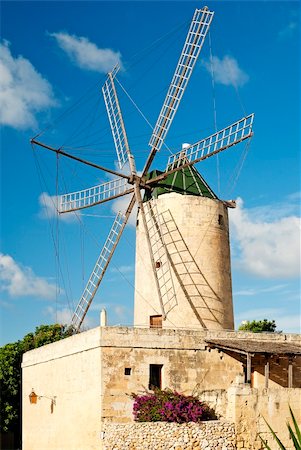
(246, 346)
(245, 349)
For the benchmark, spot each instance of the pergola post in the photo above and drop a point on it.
(266, 372)
(290, 372)
(249, 362)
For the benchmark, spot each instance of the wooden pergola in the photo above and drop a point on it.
(244, 350)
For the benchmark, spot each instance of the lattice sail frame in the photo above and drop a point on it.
(115, 118)
(198, 30)
(217, 142)
(94, 195)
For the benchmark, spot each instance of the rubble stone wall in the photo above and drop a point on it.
(211, 435)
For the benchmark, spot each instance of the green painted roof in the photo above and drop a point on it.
(187, 181)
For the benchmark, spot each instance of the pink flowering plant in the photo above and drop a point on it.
(170, 406)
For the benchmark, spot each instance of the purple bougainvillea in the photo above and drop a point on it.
(170, 406)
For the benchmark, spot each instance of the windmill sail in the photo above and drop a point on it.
(100, 267)
(217, 142)
(115, 118)
(196, 35)
(94, 195)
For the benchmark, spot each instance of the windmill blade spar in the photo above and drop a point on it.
(196, 35)
(94, 195)
(101, 266)
(61, 152)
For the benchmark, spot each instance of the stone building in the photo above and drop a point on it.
(84, 383)
(77, 392)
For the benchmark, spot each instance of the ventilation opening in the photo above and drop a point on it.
(155, 321)
(155, 376)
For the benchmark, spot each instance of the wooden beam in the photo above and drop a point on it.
(249, 365)
(290, 373)
(266, 373)
(83, 161)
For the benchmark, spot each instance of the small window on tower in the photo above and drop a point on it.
(155, 321)
(155, 376)
(220, 220)
(127, 371)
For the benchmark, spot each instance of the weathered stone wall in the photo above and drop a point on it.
(246, 407)
(66, 375)
(212, 435)
(187, 365)
(195, 231)
(85, 376)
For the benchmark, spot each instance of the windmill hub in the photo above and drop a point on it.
(135, 179)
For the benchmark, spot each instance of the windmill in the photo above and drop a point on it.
(170, 261)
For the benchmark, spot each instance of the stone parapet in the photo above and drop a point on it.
(180, 338)
(211, 435)
(64, 348)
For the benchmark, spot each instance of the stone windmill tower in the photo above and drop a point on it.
(189, 233)
(183, 259)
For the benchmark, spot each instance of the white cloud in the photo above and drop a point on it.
(120, 312)
(21, 281)
(121, 204)
(63, 316)
(23, 90)
(289, 323)
(278, 210)
(288, 31)
(259, 314)
(250, 292)
(226, 71)
(86, 54)
(49, 208)
(5, 305)
(98, 306)
(269, 249)
(122, 269)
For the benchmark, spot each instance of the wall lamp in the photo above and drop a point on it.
(33, 398)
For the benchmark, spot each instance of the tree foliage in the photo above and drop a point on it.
(10, 371)
(257, 326)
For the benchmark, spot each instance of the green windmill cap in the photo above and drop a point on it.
(186, 181)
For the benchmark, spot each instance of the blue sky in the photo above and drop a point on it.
(54, 55)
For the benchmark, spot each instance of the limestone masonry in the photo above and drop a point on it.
(213, 435)
(195, 231)
(86, 376)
